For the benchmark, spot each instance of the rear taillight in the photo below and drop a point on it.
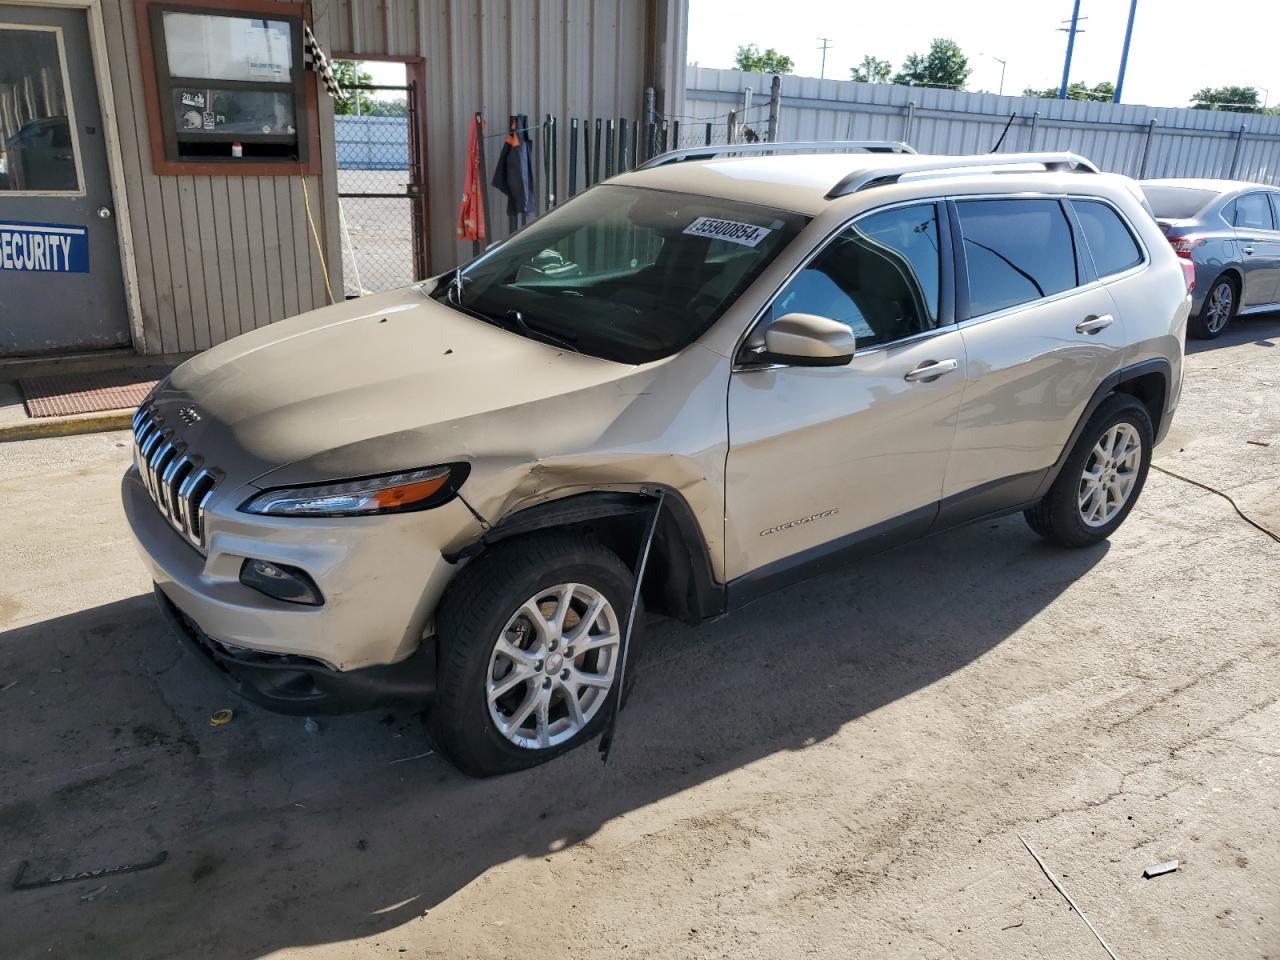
(1183, 246)
(1188, 274)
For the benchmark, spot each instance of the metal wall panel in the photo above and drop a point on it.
(583, 58)
(1183, 142)
(218, 256)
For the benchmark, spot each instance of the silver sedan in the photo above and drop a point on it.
(1231, 232)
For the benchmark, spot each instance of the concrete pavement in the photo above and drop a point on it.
(841, 770)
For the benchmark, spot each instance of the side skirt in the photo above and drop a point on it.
(996, 499)
(829, 556)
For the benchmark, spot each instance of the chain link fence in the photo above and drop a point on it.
(379, 196)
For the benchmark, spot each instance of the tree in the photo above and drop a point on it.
(1235, 99)
(348, 76)
(398, 107)
(871, 70)
(945, 65)
(751, 60)
(1103, 92)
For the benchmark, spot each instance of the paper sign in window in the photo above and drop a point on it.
(731, 231)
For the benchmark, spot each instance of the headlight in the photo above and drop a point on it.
(389, 493)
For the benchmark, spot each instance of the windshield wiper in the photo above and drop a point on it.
(455, 289)
(537, 333)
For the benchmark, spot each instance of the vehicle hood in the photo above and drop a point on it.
(380, 383)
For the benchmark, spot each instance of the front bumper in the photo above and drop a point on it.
(381, 578)
(297, 685)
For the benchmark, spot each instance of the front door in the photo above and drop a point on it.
(61, 284)
(824, 457)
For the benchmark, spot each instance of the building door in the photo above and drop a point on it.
(381, 183)
(61, 283)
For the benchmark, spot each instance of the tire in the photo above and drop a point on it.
(487, 644)
(1077, 512)
(1218, 310)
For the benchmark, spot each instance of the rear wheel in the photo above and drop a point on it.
(530, 645)
(1218, 309)
(1101, 478)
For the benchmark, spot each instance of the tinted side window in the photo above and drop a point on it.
(1253, 212)
(1275, 208)
(1016, 251)
(880, 277)
(1110, 242)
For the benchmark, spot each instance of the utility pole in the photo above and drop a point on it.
(1124, 54)
(1071, 43)
(826, 43)
(1003, 64)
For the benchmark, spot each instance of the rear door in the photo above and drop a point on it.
(1040, 334)
(1259, 239)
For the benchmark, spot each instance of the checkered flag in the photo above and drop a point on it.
(313, 58)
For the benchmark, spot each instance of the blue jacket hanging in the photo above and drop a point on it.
(513, 175)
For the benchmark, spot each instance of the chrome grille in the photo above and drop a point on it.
(178, 481)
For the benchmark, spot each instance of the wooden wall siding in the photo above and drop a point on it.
(216, 256)
(571, 58)
(219, 256)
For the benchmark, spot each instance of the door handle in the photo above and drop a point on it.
(930, 370)
(1248, 251)
(1095, 324)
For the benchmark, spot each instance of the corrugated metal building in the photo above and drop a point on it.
(208, 244)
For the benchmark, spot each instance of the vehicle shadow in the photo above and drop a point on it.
(1261, 328)
(280, 838)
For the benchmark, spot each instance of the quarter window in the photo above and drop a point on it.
(1112, 245)
(1016, 251)
(880, 276)
(1253, 212)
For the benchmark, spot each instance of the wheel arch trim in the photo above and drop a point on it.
(679, 540)
(1132, 374)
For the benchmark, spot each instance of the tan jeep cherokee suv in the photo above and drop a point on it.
(439, 494)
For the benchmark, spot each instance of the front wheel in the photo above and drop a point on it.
(530, 641)
(1101, 478)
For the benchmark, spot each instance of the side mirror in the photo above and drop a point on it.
(803, 340)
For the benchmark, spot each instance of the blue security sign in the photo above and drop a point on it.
(44, 247)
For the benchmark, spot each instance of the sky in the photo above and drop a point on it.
(1178, 46)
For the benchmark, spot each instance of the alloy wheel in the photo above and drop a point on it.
(553, 665)
(1221, 298)
(1109, 474)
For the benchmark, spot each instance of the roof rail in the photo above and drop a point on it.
(872, 176)
(710, 152)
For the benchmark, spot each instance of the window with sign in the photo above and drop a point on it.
(229, 87)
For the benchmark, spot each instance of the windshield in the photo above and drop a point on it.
(626, 273)
(1178, 203)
